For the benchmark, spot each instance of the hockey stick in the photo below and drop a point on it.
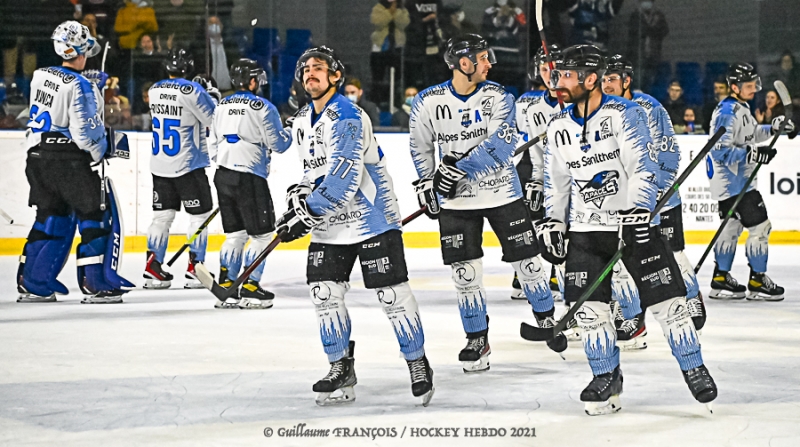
(780, 88)
(102, 162)
(533, 333)
(194, 236)
(6, 216)
(540, 24)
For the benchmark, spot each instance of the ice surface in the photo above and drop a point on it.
(166, 368)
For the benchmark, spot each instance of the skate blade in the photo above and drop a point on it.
(725, 295)
(637, 344)
(572, 335)
(478, 366)
(30, 298)
(101, 300)
(518, 294)
(154, 284)
(426, 398)
(710, 408)
(612, 405)
(255, 303)
(193, 284)
(227, 304)
(348, 395)
(756, 296)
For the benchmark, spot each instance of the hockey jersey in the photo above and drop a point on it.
(245, 130)
(352, 189)
(480, 130)
(726, 164)
(181, 111)
(535, 109)
(64, 101)
(587, 182)
(664, 144)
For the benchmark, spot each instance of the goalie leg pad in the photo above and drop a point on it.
(332, 316)
(257, 245)
(401, 309)
(198, 246)
(534, 278)
(45, 254)
(757, 246)
(689, 277)
(230, 255)
(468, 279)
(625, 292)
(678, 328)
(158, 233)
(112, 263)
(93, 260)
(599, 336)
(725, 248)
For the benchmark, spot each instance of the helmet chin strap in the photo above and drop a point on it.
(469, 75)
(330, 86)
(585, 96)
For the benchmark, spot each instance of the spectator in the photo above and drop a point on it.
(222, 51)
(148, 63)
(390, 20)
(721, 91)
(688, 125)
(590, 20)
(96, 63)
(141, 110)
(501, 28)
(353, 91)
(646, 32)
(675, 104)
(180, 21)
(104, 12)
(400, 117)
(773, 108)
(789, 73)
(133, 20)
(454, 22)
(117, 107)
(423, 61)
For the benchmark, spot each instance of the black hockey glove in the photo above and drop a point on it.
(208, 84)
(298, 190)
(447, 177)
(534, 195)
(297, 221)
(551, 234)
(426, 197)
(760, 154)
(790, 129)
(635, 224)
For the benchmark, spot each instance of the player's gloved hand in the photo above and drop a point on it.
(790, 129)
(760, 154)
(447, 177)
(426, 197)
(552, 239)
(289, 122)
(635, 226)
(98, 77)
(297, 221)
(534, 195)
(117, 145)
(208, 83)
(299, 190)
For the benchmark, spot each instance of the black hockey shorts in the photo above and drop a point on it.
(60, 186)
(672, 228)
(525, 171)
(244, 202)
(652, 267)
(461, 232)
(383, 261)
(750, 212)
(191, 189)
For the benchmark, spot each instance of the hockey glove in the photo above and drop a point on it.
(297, 222)
(760, 154)
(426, 197)
(790, 129)
(635, 226)
(551, 235)
(117, 145)
(208, 84)
(98, 77)
(447, 177)
(298, 190)
(534, 195)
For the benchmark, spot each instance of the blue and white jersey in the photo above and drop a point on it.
(665, 145)
(478, 129)
(64, 101)
(245, 130)
(587, 183)
(535, 109)
(181, 112)
(352, 189)
(727, 165)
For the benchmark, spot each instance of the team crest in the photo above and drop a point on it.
(602, 185)
(486, 104)
(319, 132)
(466, 121)
(605, 129)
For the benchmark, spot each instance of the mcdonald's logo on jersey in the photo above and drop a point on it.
(562, 138)
(538, 119)
(441, 110)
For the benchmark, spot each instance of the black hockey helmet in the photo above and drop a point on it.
(583, 59)
(243, 70)
(467, 45)
(179, 62)
(619, 65)
(742, 72)
(321, 53)
(553, 55)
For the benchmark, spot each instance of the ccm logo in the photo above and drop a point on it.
(627, 220)
(371, 245)
(517, 222)
(58, 140)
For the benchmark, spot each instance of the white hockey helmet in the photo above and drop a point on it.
(71, 39)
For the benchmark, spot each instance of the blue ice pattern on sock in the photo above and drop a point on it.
(232, 261)
(539, 296)
(198, 247)
(158, 244)
(628, 299)
(473, 312)
(335, 336)
(249, 257)
(411, 337)
(685, 347)
(602, 352)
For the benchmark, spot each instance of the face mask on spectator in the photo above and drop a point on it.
(176, 2)
(460, 16)
(214, 28)
(409, 100)
(646, 5)
(353, 97)
(502, 2)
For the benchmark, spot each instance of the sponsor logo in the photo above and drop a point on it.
(155, 197)
(465, 190)
(320, 293)
(466, 135)
(316, 258)
(605, 129)
(784, 186)
(332, 115)
(300, 134)
(516, 222)
(318, 134)
(531, 267)
(454, 241)
(371, 245)
(486, 105)
(495, 182)
(257, 104)
(650, 259)
(380, 265)
(586, 315)
(577, 279)
(463, 274)
(522, 239)
(562, 138)
(602, 185)
(315, 163)
(588, 160)
(191, 203)
(345, 217)
(441, 111)
(186, 89)
(57, 140)
(387, 296)
(538, 118)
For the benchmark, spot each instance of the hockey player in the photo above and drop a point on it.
(472, 122)
(347, 201)
(598, 154)
(628, 314)
(65, 136)
(181, 111)
(534, 111)
(246, 130)
(729, 165)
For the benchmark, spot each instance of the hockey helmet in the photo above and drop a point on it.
(619, 65)
(71, 39)
(553, 55)
(320, 53)
(468, 45)
(742, 72)
(243, 70)
(179, 62)
(583, 59)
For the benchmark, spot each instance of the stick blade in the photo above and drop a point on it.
(533, 333)
(783, 93)
(207, 280)
(539, 5)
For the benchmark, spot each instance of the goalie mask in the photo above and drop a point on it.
(71, 39)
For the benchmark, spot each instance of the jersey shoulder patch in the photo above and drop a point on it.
(65, 75)
(304, 111)
(342, 108)
(491, 86)
(436, 90)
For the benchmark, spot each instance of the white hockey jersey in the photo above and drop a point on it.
(535, 109)
(245, 130)
(480, 130)
(346, 168)
(587, 183)
(181, 111)
(727, 165)
(64, 101)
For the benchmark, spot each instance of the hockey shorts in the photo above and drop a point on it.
(191, 189)
(672, 227)
(750, 212)
(61, 186)
(244, 202)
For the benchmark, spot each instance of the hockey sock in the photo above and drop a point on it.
(198, 246)
(158, 233)
(334, 321)
(468, 279)
(687, 271)
(401, 308)
(257, 245)
(673, 316)
(534, 279)
(757, 246)
(230, 255)
(625, 292)
(599, 336)
(725, 248)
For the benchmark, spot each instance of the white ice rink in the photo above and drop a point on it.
(166, 368)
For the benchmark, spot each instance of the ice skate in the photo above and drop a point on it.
(697, 310)
(154, 276)
(554, 285)
(475, 356)
(103, 297)
(232, 302)
(27, 297)
(630, 333)
(341, 377)
(701, 385)
(725, 287)
(254, 297)
(421, 379)
(517, 293)
(761, 288)
(601, 396)
(557, 344)
(191, 277)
